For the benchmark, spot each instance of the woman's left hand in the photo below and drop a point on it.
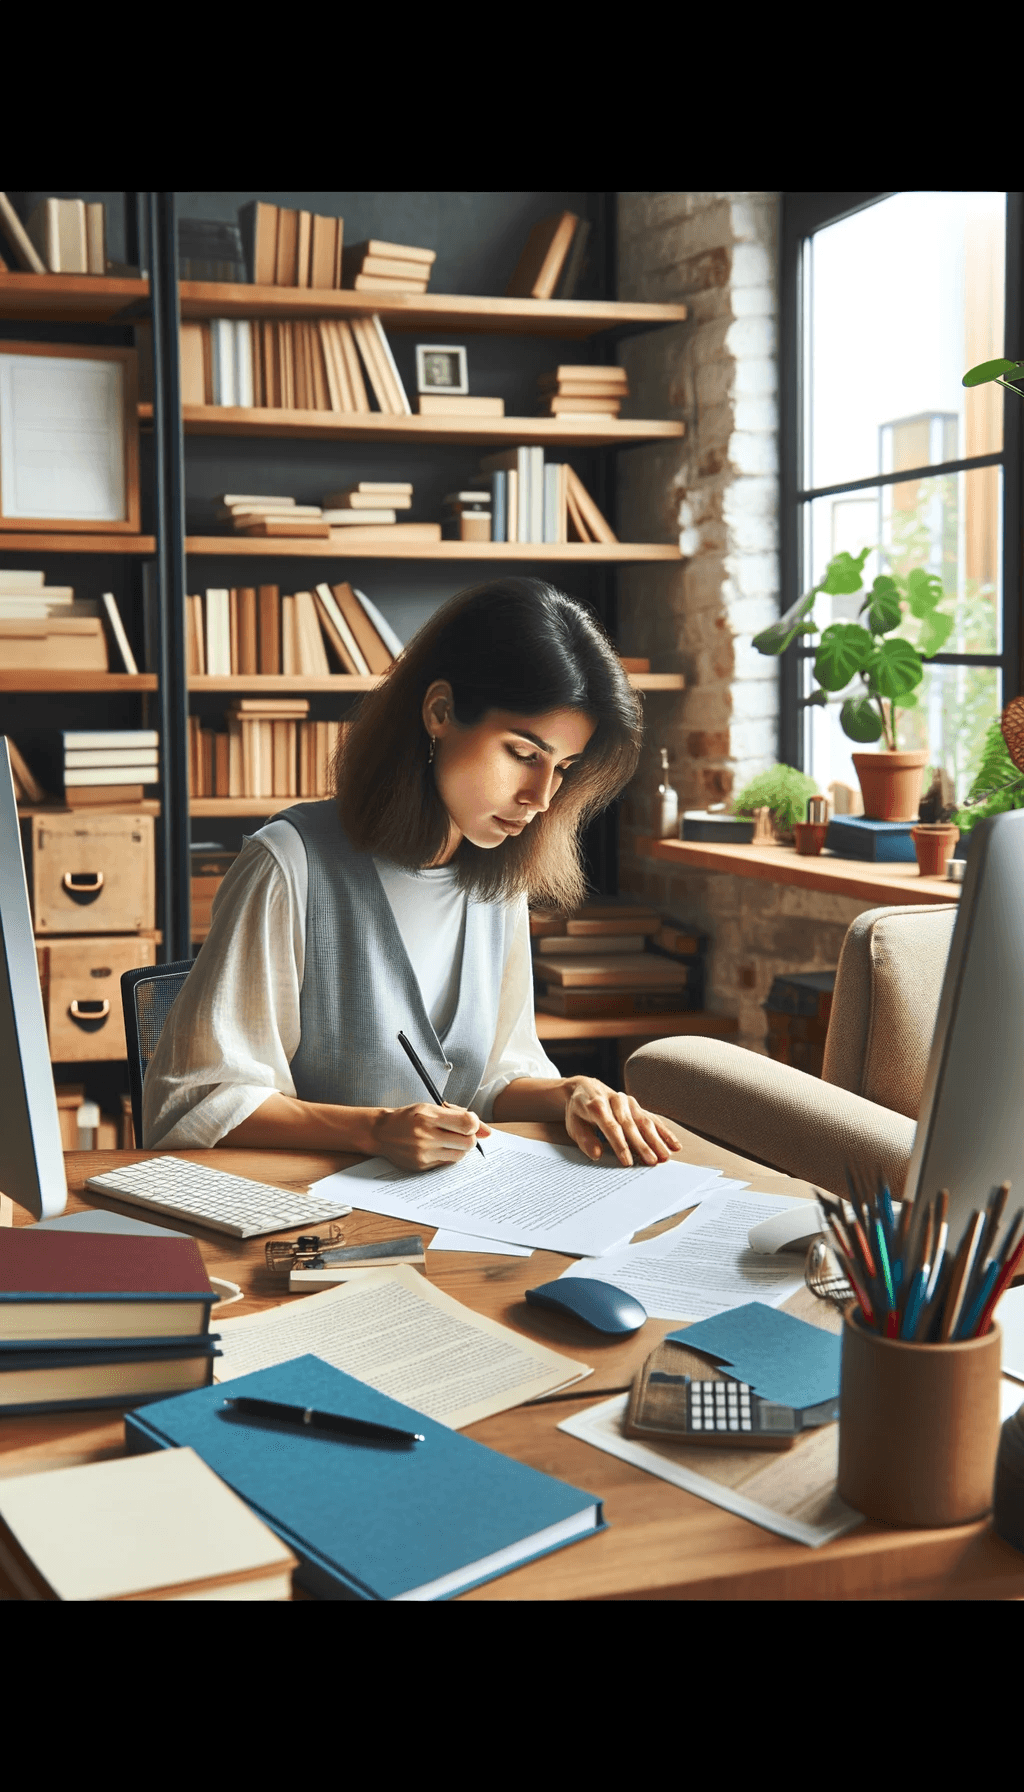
(594, 1112)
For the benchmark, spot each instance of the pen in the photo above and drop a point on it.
(421, 1071)
(979, 1277)
(304, 1418)
(1010, 1260)
(961, 1276)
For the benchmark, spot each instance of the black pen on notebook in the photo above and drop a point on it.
(424, 1076)
(334, 1424)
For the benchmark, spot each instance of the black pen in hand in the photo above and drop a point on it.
(424, 1075)
(334, 1424)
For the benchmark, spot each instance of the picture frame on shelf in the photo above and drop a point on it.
(69, 438)
(440, 368)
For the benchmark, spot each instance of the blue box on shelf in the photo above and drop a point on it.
(881, 842)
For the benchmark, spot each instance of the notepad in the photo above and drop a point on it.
(397, 1332)
(782, 1358)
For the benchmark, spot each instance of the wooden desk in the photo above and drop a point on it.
(662, 1543)
(883, 884)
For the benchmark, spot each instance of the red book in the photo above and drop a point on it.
(66, 1285)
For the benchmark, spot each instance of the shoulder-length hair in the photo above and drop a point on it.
(518, 645)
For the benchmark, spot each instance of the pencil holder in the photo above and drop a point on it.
(918, 1426)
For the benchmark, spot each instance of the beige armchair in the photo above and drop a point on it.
(863, 1109)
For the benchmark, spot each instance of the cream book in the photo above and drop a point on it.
(160, 1526)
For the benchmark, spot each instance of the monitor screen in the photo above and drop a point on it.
(31, 1155)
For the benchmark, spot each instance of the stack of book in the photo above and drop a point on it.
(469, 516)
(583, 391)
(273, 517)
(797, 1011)
(553, 260)
(534, 500)
(368, 512)
(210, 866)
(291, 248)
(615, 959)
(90, 1319)
(62, 634)
(254, 630)
(69, 236)
(109, 766)
(270, 749)
(292, 364)
(387, 267)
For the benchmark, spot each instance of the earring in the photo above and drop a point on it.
(433, 749)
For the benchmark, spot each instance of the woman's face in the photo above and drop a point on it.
(496, 776)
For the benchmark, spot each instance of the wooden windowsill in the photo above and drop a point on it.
(882, 884)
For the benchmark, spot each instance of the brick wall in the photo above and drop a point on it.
(716, 492)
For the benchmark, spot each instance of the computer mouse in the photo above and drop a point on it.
(598, 1304)
(789, 1230)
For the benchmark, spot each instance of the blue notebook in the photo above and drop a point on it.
(880, 842)
(369, 1522)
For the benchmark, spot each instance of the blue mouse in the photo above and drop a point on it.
(598, 1304)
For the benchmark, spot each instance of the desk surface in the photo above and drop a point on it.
(662, 1543)
(882, 884)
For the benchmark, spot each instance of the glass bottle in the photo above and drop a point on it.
(666, 812)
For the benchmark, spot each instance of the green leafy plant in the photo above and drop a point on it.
(782, 790)
(1001, 372)
(888, 670)
(998, 786)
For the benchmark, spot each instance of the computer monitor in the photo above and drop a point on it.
(970, 1131)
(31, 1154)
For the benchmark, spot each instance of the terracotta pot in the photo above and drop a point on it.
(933, 844)
(810, 837)
(890, 784)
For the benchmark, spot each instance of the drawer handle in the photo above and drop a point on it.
(83, 886)
(89, 1011)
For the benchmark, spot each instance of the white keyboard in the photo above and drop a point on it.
(225, 1203)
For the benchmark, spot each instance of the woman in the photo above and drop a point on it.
(462, 787)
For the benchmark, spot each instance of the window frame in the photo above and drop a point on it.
(802, 215)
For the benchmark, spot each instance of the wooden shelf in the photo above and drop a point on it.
(75, 298)
(109, 682)
(593, 553)
(784, 865)
(148, 806)
(638, 1026)
(21, 542)
(432, 310)
(244, 805)
(303, 684)
(481, 432)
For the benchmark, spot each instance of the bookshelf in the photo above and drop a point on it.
(343, 682)
(24, 542)
(72, 298)
(582, 553)
(96, 683)
(570, 319)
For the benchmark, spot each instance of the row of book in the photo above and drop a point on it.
(43, 627)
(518, 496)
(254, 629)
(269, 749)
(553, 259)
(286, 247)
(292, 364)
(583, 391)
(372, 503)
(615, 959)
(63, 236)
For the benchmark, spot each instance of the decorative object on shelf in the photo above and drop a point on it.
(584, 391)
(376, 266)
(889, 670)
(83, 472)
(715, 825)
(809, 837)
(784, 792)
(934, 844)
(666, 806)
(441, 369)
(545, 256)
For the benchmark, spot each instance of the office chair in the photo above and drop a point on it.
(147, 997)
(862, 1111)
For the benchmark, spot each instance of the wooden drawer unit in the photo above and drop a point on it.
(91, 873)
(81, 981)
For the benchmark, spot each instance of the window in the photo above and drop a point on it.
(887, 299)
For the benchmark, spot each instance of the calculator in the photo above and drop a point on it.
(720, 1412)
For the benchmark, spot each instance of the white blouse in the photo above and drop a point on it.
(229, 1040)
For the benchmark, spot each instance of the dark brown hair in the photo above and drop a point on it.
(520, 645)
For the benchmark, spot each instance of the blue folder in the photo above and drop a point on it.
(366, 1521)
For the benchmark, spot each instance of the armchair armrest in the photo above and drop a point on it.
(785, 1118)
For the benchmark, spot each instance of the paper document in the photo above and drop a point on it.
(781, 1357)
(526, 1192)
(792, 1493)
(62, 438)
(704, 1265)
(395, 1331)
(464, 1241)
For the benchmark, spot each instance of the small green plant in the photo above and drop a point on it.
(998, 786)
(1001, 372)
(782, 790)
(888, 670)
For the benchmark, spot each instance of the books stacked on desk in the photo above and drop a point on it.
(100, 1319)
(109, 765)
(615, 959)
(583, 391)
(537, 501)
(270, 749)
(797, 1009)
(376, 266)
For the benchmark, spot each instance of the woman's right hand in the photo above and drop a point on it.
(423, 1136)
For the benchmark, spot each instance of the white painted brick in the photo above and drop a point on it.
(752, 266)
(755, 578)
(750, 453)
(749, 497)
(752, 301)
(749, 615)
(751, 740)
(759, 415)
(689, 543)
(751, 337)
(755, 378)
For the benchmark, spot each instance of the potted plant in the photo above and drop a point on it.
(936, 833)
(783, 791)
(877, 670)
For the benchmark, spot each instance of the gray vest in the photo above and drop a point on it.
(359, 989)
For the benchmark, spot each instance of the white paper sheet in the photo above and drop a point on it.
(526, 1192)
(62, 438)
(1010, 1316)
(465, 1241)
(705, 1265)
